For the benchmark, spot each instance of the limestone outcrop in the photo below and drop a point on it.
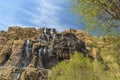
(30, 51)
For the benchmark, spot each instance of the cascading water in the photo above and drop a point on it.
(39, 64)
(44, 50)
(28, 42)
(28, 52)
(45, 30)
(49, 52)
(39, 53)
(68, 43)
(54, 36)
(62, 36)
(51, 32)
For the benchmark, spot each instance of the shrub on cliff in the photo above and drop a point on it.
(80, 68)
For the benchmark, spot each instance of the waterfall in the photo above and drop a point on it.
(51, 32)
(44, 50)
(42, 35)
(41, 63)
(27, 47)
(62, 36)
(68, 43)
(39, 59)
(45, 30)
(28, 42)
(39, 53)
(18, 75)
(49, 53)
(28, 52)
(54, 36)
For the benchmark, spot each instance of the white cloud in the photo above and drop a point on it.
(47, 14)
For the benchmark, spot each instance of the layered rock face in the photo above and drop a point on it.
(23, 48)
(29, 49)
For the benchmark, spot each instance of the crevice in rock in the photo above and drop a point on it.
(6, 58)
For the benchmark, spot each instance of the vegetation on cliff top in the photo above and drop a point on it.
(81, 68)
(100, 16)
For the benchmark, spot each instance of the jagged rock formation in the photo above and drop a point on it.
(30, 49)
(49, 47)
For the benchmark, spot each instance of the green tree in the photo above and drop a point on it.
(79, 68)
(99, 15)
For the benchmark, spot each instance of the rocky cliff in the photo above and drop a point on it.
(14, 62)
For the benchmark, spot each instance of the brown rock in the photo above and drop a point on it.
(34, 74)
(95, 53)
(16, 55)
(21, 33)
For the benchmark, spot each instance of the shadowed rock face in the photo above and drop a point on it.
(44, 52)
(42, 48)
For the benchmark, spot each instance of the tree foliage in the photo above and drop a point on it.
(79, 68)
(99, 15)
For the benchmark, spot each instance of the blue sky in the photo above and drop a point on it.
(37, 13)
